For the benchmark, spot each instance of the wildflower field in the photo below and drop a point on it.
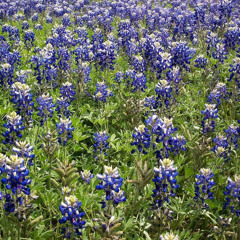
(119, 119)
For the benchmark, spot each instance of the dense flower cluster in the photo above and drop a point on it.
(168, 58)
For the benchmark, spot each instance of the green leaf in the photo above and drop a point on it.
(188, 171)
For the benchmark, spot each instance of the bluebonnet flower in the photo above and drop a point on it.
(165, 61)
(24, 150)
(14, 127)
(150, 103)
(231, 37)
(102, 93)
(66, 97)
(136, 80)
(13, 33)
(139, 82)
(162, 132)
(84, 70)
(66, 191)
(210, 113)
(181, 54)
(139, 64)
(233, 134)
(62, 107)
(118, 197)
(105, 21)
(174, 76)
(175, 144)
(169, 236)
(161, 61)
(67, 91)
(35, 17)
(86, 176)
(45, 108)
(9, 205)
(97, 40)
(17, 172)
(66, 21)
(63, 59)
(18, 17)
(101, 142)
(220, 52)
(218, 93)
(203, 185)
(49, 19)
(232, 194)
(212, 40)
(44, 65)
(161, 127)
(22, 75)
(111, 183)
(133, 48)
(201, 61)
(61, 38)
(163, 90)
(22, 97)
(40, 8)
(142, 139)
(165, 182)
(2, 163)
(6, 72)
(119, 76)
(71, 211)
(222, 147)
(38, 27)
(84, 53)
(25, 25)
(29, 38)
(124, 32)
(65, 130)
(235, 71)
(106, 55)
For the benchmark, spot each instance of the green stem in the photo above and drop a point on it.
(17, 207)
(35, 143)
